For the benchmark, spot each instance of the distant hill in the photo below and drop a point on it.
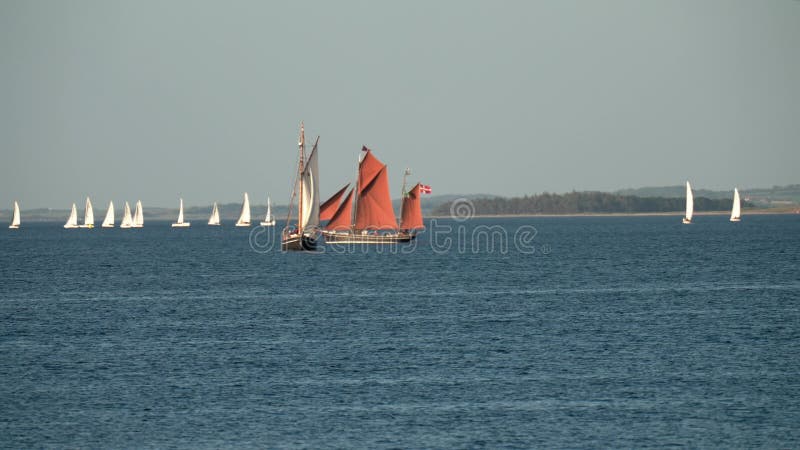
(586, 203)
(776, 196)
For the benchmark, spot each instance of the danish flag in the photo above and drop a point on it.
(425, 189)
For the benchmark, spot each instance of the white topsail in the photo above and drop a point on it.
(15, 217)
(138, 216)
(689, 204)
(88, 215)
(108, 222)
(244, 217)
(127, 221)
(736, 211)
(214, 219)
(72, 221)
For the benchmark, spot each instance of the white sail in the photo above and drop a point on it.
(310, 199)
(268, 219)
(88, 215)
(72, 221)
(127, 220)
(736, 211)
(214, 219)
(244, 217)
(15, 216)
(180, 223)
(689, 204)
(108, 222)
(138, 216)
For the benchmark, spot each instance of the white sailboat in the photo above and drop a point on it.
(736, 211)
(689, 204)
(244, 217)
(269, 220)
(127, 220)
(88, 215)
(214, 219)
(304, 234)
(72, 221)
(15, 217)
(180, 223)
(108, 222)
(138, 216)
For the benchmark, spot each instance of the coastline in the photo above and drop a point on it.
(642, 214)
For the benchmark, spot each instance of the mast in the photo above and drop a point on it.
(405, 175)
(301, 146)
(358, 189)
(403, 192)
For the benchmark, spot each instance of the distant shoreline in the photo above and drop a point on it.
(642, 214)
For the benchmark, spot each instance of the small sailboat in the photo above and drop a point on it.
(214, 219)
(127, 220)
(180, 223)
(138, 216)
(269, 220)
(736, 211)
(244, 217)
(304, 234)
(15, 217)
(108, 222)
(88, 215)
(689, 204)
(72, 221)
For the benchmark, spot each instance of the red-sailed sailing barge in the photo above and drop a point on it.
(366, 215)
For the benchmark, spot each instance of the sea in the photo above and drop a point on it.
(529, 332)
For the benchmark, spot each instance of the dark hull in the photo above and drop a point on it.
(359, 238)
(298, 243)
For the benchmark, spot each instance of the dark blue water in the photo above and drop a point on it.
(598, 332)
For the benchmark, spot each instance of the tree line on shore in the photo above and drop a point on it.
(585, 203)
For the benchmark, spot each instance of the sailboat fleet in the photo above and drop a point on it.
(359, 215)
(736, 209)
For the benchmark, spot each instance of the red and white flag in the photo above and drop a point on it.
(425, 189)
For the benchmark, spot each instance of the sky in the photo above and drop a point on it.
(152, 100)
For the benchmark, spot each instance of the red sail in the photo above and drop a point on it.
(327, 209)
(341, 218)
(411, 217)
(368, 169)
(375, 210)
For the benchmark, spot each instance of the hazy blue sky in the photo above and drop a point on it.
(155, 99)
